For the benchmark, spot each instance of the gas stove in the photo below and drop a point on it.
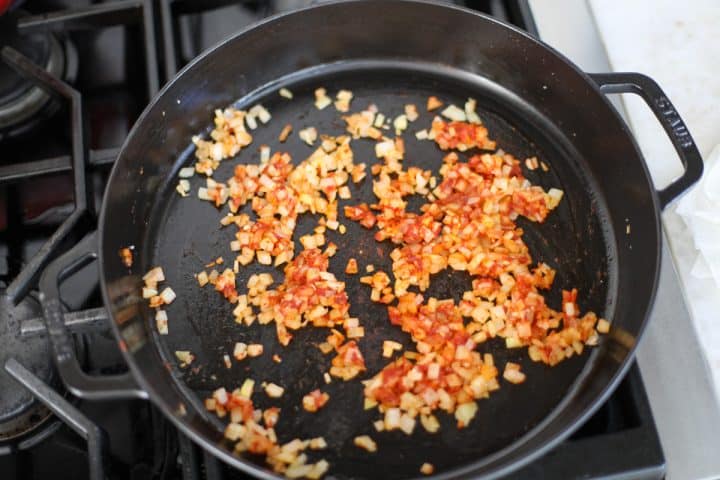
(73, 81)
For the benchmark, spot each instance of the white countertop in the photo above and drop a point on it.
(677, 44)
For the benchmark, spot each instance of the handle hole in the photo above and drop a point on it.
(660, 156)
(81, 288)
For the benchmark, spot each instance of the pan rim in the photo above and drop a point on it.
(502, 469)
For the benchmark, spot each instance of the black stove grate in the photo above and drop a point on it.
(131, 439)
(23, 282)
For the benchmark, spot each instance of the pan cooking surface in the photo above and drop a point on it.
(186, 234)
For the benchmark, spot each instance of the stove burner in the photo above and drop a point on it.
(20, 414)
(22, 104)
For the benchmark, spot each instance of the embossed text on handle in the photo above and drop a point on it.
(679, 130)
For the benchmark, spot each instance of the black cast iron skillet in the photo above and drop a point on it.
(534, 102)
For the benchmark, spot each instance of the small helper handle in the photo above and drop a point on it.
(670, 120)
(76, 380)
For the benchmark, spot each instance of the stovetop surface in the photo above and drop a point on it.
(116, 55)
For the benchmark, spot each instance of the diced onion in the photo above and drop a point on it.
(246, 389)
(185, 357)
(603, 326)
(167, 295)
(148, 292)
(465, 413)
(433, 103)
(254, 350)
(513, 374)
(186, 172)
(285, 133)
(264, 154)
(240, 351)
(154, 276)
(400, 123)
(203, 194)
(407, 424)
(411, 112)
(161, 321)
(221, 396)
(274, 391)
(454, 113)
(379, 120)
(321, 99)
(308, 135)
(392, 418)
(366, 443)
(261, 113)
(430, 423)
(470, 106)
(315, 400)
(251, 122)
(318, 443)
(342, 104)
(554, 196)
(318, 470)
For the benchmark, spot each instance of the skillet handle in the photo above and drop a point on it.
(670, 120)
(76, 380)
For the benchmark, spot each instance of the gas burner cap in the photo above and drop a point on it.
(21, 102)
(20, 413)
